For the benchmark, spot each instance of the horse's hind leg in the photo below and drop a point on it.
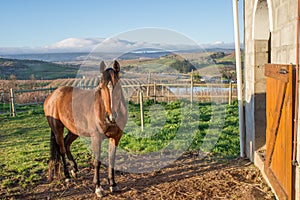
(70, 137)
(60, 142)
(57, 147)
(54, 162)
(58, 129)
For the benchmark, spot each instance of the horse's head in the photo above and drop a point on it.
(110, 89)
(109, 75)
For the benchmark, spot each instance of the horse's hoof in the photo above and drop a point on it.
(114, 189)
(73, 173)
(99, 192)
(67, 180)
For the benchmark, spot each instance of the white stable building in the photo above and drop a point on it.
(270, 97)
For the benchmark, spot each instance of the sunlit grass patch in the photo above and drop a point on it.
(24, 140)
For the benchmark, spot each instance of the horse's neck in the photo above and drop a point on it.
(98, 96)
(121, 106)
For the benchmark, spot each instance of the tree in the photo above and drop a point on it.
(228, 72)
(32, 81)
(12, 83)
(183, 66)
(197, 77)
(217, 55)
(13, 77)
(32, 77)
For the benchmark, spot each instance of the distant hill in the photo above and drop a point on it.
(141, 62)
(181, 63)
(27, 69)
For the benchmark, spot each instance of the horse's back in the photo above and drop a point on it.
(55, 101)
(73, 108)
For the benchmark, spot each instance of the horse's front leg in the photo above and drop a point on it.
(111, 165)
(96, 147)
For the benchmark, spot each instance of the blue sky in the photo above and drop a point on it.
(37, 23)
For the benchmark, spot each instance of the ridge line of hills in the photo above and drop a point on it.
(25, 69)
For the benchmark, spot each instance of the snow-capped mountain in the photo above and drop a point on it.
(75, 44)
(114, 45)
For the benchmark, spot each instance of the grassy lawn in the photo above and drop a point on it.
(4, 108)
(24, 140)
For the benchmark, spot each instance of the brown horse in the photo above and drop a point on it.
(98, 114)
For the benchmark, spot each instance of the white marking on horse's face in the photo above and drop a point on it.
(110, 87)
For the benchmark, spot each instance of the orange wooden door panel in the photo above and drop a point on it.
(279, 111)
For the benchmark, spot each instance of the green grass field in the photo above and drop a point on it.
(24, 140)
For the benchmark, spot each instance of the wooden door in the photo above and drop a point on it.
(279, 113)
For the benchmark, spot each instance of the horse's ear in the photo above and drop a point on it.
(116, 66)
(102, 67)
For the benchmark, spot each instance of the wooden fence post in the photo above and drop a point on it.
(192, 86)
(148, 91)
(12, 103)
(168, 95)
(148, 85)
(142, 110)
(154, 92)
(163, 93)
(230, 94)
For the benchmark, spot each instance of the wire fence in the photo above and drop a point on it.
(13, 101)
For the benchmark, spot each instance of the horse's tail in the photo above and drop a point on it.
(54, 158)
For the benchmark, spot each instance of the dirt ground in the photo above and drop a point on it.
(190, 177)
